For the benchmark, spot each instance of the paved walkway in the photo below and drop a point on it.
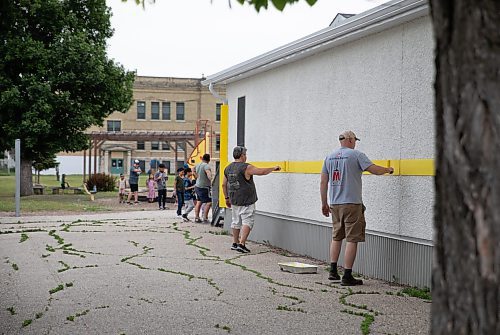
(147, 273)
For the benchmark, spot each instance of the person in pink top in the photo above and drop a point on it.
(150, 183)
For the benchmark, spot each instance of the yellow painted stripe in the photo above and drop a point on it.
(224, 132)
(403, 167)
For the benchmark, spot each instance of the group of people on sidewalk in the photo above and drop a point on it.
(192, 190)
(340, 191)
(340, 178)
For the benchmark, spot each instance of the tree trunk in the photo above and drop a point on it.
(466, 274)
(26, 178)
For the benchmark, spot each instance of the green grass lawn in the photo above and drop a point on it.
(53, 202)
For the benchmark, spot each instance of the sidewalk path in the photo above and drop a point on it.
(149, 273)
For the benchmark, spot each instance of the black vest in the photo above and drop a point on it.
(241, 191)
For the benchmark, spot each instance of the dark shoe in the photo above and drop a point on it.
(242, 248)
(234, 246)
(334, 276)
(185, 218)
(197, 220)
(350, 281)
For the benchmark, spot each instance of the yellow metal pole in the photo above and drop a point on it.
(224, 134)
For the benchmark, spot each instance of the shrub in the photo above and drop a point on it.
(103, 182)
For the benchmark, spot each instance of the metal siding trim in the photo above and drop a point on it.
(379, 257)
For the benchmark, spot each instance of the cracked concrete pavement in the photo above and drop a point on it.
(148, 272)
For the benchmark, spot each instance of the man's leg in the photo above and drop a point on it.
(236, 235)
(160, 197)
(207, 209)
(245, 231)
(335, 247)
(129, 196)
(136, 196)
(236, 227)
(350, 254)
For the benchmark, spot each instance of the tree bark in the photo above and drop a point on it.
(466, 270)
(26, 178)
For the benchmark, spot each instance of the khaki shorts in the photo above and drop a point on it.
(242, 215)
(348, 222)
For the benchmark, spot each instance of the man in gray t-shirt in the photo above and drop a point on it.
(341, 176)
(203, 174)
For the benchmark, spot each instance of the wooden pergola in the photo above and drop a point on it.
(97, 138)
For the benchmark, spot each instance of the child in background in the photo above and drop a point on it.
(179, 190)
(122, 185)
(150, 183)
(188, 193)
(161, 178)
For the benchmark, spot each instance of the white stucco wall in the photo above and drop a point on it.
(380, 87)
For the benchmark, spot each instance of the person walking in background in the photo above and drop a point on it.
(202, 188)
(241, 195)
(161, 178)
(133, 181)
(179, 190)
(122, 185)
(188, 193)
(341, 178)
(150, 184)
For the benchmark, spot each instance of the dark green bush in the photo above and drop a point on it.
(103, 182)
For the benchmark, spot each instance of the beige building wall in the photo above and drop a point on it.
(199, 110)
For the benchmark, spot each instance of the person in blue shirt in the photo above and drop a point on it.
(188, 193)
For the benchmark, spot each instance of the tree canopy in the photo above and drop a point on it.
(258, 4)
(55, 78)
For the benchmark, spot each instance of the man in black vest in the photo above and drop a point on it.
(240, 194)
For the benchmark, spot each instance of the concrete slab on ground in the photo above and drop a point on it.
(149, 272)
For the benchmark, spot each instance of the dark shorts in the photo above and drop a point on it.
(203, 194)
(348, 222)
(134, 187)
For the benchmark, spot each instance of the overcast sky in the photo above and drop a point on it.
(188, 38)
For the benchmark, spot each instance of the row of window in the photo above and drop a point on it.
(165, 111)
(165, 146)
(180, 113)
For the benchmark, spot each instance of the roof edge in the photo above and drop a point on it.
(376, 19)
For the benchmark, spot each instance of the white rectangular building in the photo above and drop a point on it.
(372, 74)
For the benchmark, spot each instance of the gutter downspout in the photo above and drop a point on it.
(224, 134)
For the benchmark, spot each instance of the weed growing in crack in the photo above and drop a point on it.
(226, 328)
(49, 248)
(11, 310)
(69, 284)
(26, 323)
(260, 275)
(421, 293)
(59, 287)
(24, 237)
(15, 267)
(73, 317)
(65, 267)
(221, 232)
(366, 323)
(102, 307)
(39, 315)
(58, 238)
(289, 309)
